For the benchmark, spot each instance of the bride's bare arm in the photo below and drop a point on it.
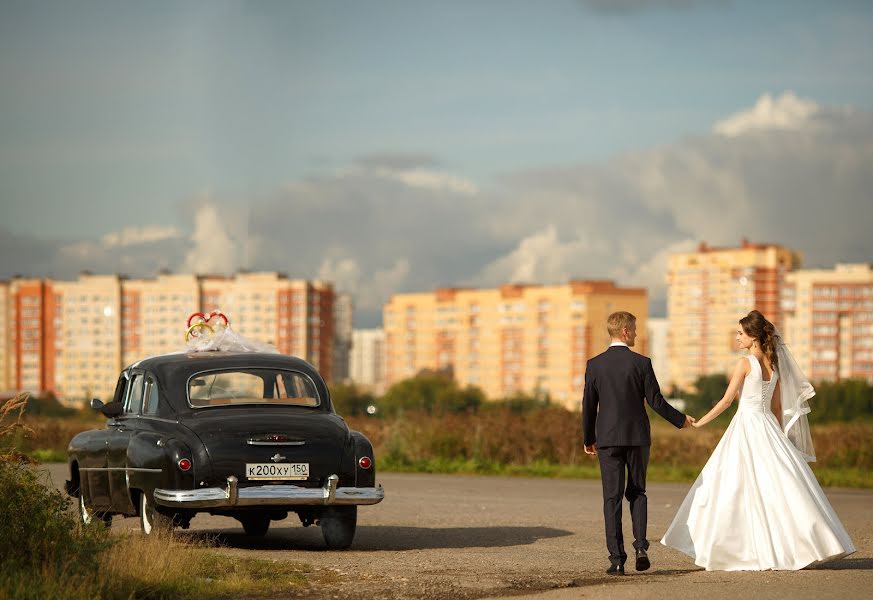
(776, 403)
(740, 372)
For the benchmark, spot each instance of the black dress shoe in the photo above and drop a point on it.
(615, 570)
(643, 563)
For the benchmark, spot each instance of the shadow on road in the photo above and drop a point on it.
(385, 537)
(846, 564)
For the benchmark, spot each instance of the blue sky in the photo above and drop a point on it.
(115, 115)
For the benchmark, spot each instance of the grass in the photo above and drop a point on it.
(548, 443)
(164, 567)
(46, 553)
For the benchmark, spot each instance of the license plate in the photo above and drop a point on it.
(277, 471)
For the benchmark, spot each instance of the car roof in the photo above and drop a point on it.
(181, 365)
(174, 370)
(209, 359)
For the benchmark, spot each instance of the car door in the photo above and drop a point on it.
(121, 432)
(92, 457)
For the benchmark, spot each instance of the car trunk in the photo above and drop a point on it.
(237, 436)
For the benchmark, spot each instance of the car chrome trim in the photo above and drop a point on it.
(262, 495)
(288, 443)
(137, 469)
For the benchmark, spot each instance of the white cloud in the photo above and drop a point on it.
(429, 180)
(787, 111)
(370, 293)
(214, 250)
(538, 258)
(130, 236)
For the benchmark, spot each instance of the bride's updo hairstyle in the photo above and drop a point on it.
(756, 326)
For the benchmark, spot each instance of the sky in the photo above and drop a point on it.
(396, 146)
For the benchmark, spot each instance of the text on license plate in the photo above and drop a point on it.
(277, 470)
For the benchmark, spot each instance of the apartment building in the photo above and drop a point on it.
(708, 291)
(367, 359)
(30, 329)
(829, 321)
(88, 337)
(73, 337)
(514, 339)
(657, 348)
(343, 319)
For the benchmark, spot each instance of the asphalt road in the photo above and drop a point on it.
(444, 536)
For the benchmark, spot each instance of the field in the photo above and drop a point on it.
(545, 442)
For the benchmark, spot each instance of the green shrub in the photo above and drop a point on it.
(37, 529)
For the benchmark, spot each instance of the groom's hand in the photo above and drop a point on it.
(689, 421)
(591, 450)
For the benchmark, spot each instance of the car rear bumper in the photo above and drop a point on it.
(269, 495)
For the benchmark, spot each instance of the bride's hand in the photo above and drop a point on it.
(697, 424)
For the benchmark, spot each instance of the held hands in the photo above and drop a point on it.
(689, 421)
(591, 450)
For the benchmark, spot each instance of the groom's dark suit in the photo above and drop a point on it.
(616, 382)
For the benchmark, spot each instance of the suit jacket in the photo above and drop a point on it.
(613, 413)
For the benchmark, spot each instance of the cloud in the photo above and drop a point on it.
(783, 112)
(393, 226)
(130, 236)
(214, 250)
(412, 170)
(538, 258)
(397, 160)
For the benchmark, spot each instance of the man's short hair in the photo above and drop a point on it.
(618, 321)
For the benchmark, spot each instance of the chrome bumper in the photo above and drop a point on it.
(266, 495)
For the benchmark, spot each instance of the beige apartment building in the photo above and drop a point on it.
(367, 359)
(88, 337)
(74, 337)
(829, 321)
(513, 339)
(708, 291)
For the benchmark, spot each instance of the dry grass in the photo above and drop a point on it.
(549, 442)
(45, 553)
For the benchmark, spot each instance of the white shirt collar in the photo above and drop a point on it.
(618, 344)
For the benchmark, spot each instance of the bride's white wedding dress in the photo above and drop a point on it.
(756, 504)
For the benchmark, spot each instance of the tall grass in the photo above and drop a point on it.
(549, 442)
(46, 553)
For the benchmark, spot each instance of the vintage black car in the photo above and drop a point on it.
(248, 435)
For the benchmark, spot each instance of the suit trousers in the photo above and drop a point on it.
(614, 460)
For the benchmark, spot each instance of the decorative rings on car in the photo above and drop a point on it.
(199, 315)
(198, 325)
(209, 317)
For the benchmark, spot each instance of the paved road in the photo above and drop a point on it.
(442, 536)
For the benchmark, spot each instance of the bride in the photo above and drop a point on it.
(756, 504)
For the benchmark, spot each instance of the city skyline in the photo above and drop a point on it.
(397, 148)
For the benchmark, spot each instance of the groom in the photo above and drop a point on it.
(616, 381)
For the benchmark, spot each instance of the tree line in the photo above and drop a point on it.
(438, 393)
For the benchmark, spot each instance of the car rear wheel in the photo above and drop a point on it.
(338, 525)
(150, 520)
(255, 526)
(88, 515)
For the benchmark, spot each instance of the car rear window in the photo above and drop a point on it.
(252, 386)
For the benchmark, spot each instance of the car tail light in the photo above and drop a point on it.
(184, 464)
(366, 462)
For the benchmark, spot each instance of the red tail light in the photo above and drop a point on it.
(184, 464)
(365, 462)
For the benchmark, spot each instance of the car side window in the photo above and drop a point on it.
(120, 388)
(150, 407)
(134, 397)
